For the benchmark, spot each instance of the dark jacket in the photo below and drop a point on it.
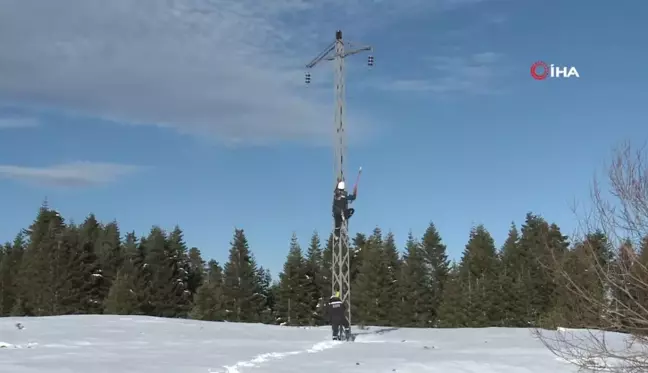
(336, 311)
(341, 201)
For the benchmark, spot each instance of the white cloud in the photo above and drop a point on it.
(69, 174)
(225, 68)
(18, 122)
(473, 74)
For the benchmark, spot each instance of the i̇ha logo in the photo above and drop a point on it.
(541, 71)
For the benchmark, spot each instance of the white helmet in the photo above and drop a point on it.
(341, 185)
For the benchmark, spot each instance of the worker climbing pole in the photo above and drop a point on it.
(341, 258)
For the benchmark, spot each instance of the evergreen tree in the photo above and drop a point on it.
(10, 274)
(373, 283)
(453, 311)
(160, 271)
(327, 260)
(315, 286)
(266, 299)
(274, 296)
(629, 292)
(243, 302)
(91, 270)
(357, 255)
(435, 257)
(178, 260)
(56, 268)
(551, 257)
(514, 280)
(82, 289)
(65, 275)
(294, 303)
(639, 277)
(415, 298)
(478, 273)
(124, 297)
(209, 301)
(196, 270)
(534, 242)
(623, 307)
(389, 298)
(35, 282)
(110, 256)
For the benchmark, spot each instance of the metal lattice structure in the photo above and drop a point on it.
(341, 256)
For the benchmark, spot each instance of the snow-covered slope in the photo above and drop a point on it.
(114, 344)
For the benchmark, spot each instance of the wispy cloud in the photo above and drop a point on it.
(18, 122)
(472, 74)
(225, 68)
(77, 174)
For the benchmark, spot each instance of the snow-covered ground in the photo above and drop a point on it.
(114, 344)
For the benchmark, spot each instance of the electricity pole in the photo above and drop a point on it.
(341, 258)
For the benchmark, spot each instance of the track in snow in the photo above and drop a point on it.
(270, 356)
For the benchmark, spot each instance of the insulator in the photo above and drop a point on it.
(308, 78)
(370, 61)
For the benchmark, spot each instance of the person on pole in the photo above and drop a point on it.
(337, 317)
(341, 210)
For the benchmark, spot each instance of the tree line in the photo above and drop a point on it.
(56, 268)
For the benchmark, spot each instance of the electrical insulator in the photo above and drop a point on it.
(307, 78)
(370, 61)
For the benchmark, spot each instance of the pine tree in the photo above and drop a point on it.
(124, 295)
(57, 250)
(534, 241)
(294, 304)
(66, 276)
(415, 298)
(10, 275)
(266, 300)
(89, 250)
(327, 260)
(209, 301)
(550, 256)
(639, 278)
(196, 270)
(7, 290)
(315, 286)
(478, 272)
(161, 284)
(57, 268)
(624, 288)
(435, 256)
(34, 284)
(109, 251)
(581, 298)
(359, 244)
(122, 299)
(82, 290)
(178, 260)
(514, 280)
(274, 295)
(372, 284)
(360, 247)
(243, 302)
(454, 311)
(390, 295)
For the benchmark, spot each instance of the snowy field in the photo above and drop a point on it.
(114, 344)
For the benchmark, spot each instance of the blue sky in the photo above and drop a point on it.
(195, 113)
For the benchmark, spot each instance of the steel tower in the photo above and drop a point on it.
(341, 258)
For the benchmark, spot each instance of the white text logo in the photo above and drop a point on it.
(541, 71)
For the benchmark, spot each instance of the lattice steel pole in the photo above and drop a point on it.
(341, 256)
